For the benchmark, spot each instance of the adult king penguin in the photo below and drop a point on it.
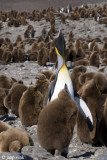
(63, 80)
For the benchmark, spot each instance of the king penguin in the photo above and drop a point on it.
(63, 80)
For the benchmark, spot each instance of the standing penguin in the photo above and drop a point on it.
(32, 33)
(43, 32)
(63, 78)
(55, 120)
(69, 9)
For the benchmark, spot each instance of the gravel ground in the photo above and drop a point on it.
(28, 70)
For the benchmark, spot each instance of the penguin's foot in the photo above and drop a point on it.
(65, 152)
(51, 151)
(57, 153)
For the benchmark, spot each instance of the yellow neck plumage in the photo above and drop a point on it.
(61, 61)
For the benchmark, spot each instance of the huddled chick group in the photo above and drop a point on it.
(43, 49)
(80, 52)
(29, 104)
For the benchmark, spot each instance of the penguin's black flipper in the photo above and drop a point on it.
(84, 110)
(51, 90)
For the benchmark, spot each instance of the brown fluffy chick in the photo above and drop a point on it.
(86, 77)
(6, 57)
(83, 62)
(77, 44)
(5, 82)
(56, 123)
(47, 73)
(102, 128)
(104, 61)
(94, 59)
(80, 53)
(52, 55)
(4, 126)
(13, 140)
(30, 106)
(92, 93)
(42, 56)
(76, 72)
(3, 109)
(12, 99)
(42, 83)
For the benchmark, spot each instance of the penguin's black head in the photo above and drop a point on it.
(60, 45)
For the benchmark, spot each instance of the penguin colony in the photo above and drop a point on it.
(42, 103)
(43, 49)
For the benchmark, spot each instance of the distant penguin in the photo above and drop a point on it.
(13, 140)
(69, 9)
(44, 33)
(56, 123)
(32, 33)
(26, 57)
(97, 17)
(60, 10)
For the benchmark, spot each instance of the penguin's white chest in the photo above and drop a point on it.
(62, 79)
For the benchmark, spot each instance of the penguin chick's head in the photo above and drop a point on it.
(60, 45)
(15, 146)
